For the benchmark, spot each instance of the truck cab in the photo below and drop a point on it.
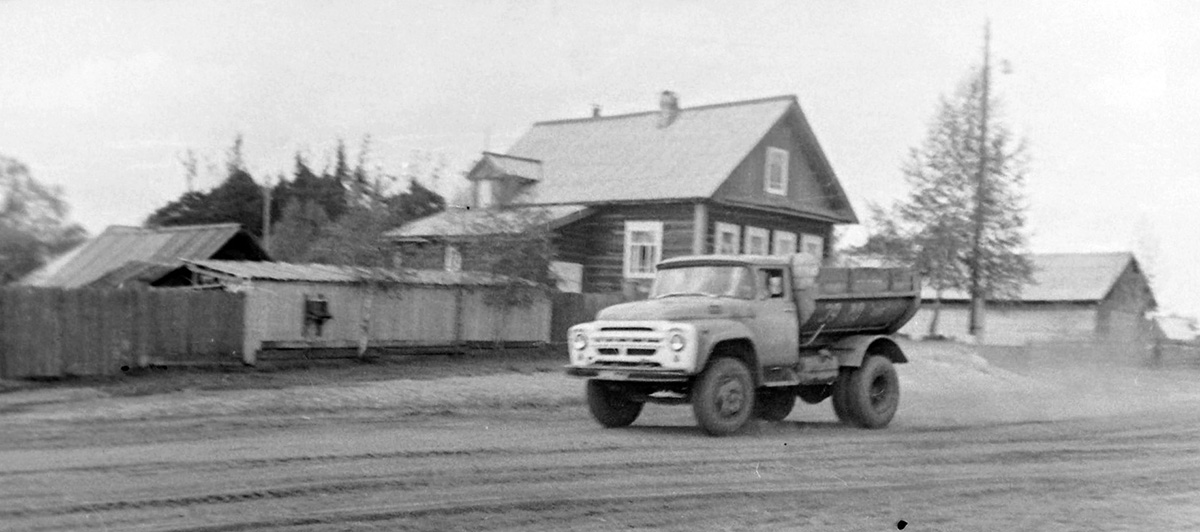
(743, 335)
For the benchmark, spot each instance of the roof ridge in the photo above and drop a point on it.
(704, 107)
(507, 156)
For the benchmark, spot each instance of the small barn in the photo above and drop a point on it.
(1075, 297)
(126, 257)
(320, 306)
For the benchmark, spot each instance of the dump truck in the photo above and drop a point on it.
(743, 336)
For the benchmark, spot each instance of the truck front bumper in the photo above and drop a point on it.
(610, 373)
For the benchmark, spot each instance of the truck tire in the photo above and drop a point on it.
(723, 397)
(840, 397)
(873, 393)
(774, 404)
(610, 406)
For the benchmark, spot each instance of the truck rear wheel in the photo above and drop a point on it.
(871, 393)
(774, 404)
(610, 405)
(723, 398)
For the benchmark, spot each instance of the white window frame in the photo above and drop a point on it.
(778, 156)
(656, 231)
(453, 259)
(727, 229)
(778, 246)
(808, 241)
(757, 232)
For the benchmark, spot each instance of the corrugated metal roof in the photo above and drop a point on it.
(134, 272)
(629, 158)
(328, 273)
(119, 245)
(475, 222)
(1063, 277)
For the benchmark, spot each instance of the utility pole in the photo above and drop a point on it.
(266, 214)
(975, 325)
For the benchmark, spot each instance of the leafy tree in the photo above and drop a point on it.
(961, 194)
(515, 243)
(33, 222)
(300, 225)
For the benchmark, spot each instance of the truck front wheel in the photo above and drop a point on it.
(869, 394)
(610, 405)
(723, 397)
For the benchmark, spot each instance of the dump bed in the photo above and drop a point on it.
(835, 302)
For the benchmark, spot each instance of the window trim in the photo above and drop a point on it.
(783, 157)
(727, 228)
(631, 226)
(775, 241)
(752, 232)
(452, 258)
(811, 237)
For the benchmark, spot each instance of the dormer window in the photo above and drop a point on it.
(776, 179)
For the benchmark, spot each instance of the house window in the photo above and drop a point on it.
(728, 239)
(776, 178)
(784, 244)
(756, 240)
(453, 259)
(643, 248)
(813, 245)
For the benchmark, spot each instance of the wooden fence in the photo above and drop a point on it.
(48, 332)
(569, 309)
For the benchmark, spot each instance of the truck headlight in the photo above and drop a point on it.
(678, 342)
(579, 342)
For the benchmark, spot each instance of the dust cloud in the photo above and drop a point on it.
(950, 384)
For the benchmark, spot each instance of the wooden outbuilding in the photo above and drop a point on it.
(320, 306)
(1075, 297)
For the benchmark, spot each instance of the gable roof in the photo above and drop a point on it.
(118, 246)
(629, 158)
(495, 165)
(1064, 277)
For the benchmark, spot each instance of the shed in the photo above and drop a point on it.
(299, 306)
(138, 256)
(1075, 297)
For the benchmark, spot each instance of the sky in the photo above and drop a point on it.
(103, 97)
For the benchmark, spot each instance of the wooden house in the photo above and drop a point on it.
(622, 192)
(1075, 297)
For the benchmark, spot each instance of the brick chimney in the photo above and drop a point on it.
(668, 108)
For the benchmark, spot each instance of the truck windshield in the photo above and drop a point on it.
(713, 281)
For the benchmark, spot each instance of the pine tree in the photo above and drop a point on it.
(934, 226)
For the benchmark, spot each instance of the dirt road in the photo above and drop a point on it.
(987, 451)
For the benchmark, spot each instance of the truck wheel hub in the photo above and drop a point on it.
(730, 398)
